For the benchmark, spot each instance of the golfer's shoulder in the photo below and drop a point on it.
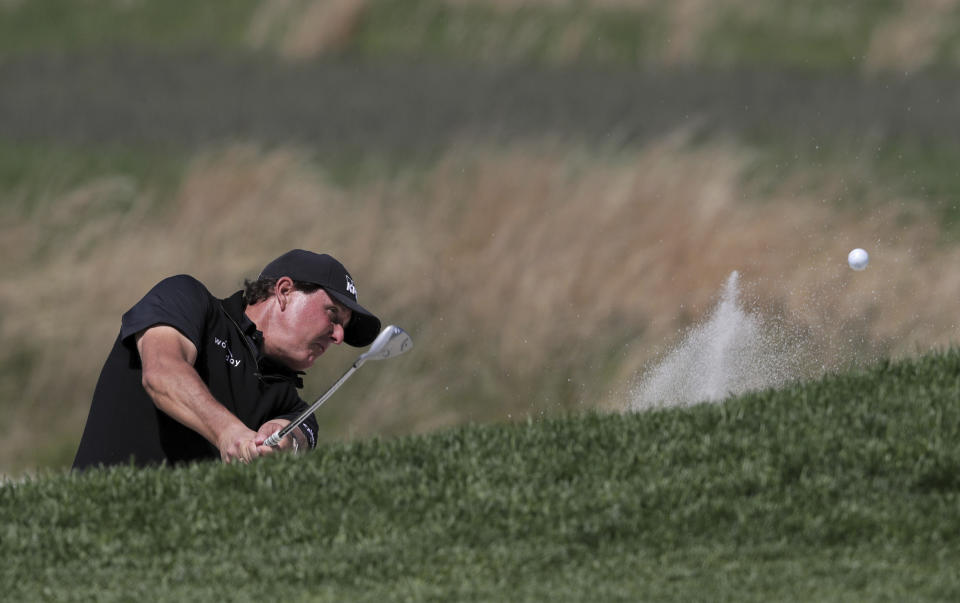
(180, 301)
(183, 292)
(182, 284)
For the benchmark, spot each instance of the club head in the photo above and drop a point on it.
(392, 341)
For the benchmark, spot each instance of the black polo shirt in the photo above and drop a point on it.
(124, 423)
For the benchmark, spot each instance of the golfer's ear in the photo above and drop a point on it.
(283, 289)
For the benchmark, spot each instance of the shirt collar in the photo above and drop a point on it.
(234, 306)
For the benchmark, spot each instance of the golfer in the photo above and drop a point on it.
(194, 377)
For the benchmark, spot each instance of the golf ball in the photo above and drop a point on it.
(858, 259)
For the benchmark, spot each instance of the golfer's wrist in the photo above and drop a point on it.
(309, 440)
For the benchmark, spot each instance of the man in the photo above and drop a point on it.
(192, 377)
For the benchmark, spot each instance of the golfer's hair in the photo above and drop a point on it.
(262, 288)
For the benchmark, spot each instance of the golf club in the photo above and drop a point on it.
(392, 341)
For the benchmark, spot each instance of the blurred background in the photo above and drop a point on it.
(545, 193)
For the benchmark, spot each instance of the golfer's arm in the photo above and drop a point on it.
(174, 385)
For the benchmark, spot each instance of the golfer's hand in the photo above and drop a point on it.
(268, 429)
(238, 443)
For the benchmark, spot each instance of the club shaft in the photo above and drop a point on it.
(276, 437)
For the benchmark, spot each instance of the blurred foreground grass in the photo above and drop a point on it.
(841, 488)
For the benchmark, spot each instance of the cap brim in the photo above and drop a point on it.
(363, 327)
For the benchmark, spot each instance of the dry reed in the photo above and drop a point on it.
(910, 39)
(306, 28)
(513, 267)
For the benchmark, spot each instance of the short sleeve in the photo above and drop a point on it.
(179, 301)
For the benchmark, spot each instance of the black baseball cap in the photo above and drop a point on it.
(322, 269)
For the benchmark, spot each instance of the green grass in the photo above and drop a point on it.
(814, 36)
(843, 488)
(36, 171)
(948, 54)
(37, 178)
(928, 171)
(886, 171)
(529, 34)
(62, 26)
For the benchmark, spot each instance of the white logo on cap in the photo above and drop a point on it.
(351, 287)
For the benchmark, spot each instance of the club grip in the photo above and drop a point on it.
(273, 440)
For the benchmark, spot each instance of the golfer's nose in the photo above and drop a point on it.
(338, 334)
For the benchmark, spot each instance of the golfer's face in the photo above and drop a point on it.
(311, 323)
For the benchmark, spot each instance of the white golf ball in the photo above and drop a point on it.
(858, 259)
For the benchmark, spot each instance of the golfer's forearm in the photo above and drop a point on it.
(179, 392)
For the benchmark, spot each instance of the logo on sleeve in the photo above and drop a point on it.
(234, 362)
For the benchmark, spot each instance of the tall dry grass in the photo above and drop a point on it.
(909, 40)
(302, 29)
(532, 278)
